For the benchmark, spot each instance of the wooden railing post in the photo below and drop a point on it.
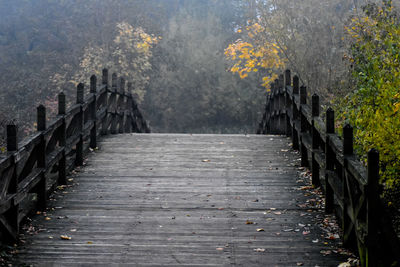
(373, 213)
(276, 107)
(62, 164)
(104, 123)
(296, 84)
(295, 113)
(104, 78)
(113, 103)
(303, 101)
(329, 160)
(122, 104)
(93, 111)
(288, 82)
(12, 218)
(12, 141)
(41, 160)
(303, 126)
(315, 140)
(105, 82)
(282, 104)
(79, 145)
(129, 118)
(347, 140)
(303, 95)
(288, 78)
(347, 151)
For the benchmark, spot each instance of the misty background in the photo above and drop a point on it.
(180, 76)
(185, 86)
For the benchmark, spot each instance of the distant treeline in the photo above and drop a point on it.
(172, 50)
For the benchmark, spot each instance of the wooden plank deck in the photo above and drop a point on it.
(171, 199)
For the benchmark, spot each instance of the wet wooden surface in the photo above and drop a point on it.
(170, 199)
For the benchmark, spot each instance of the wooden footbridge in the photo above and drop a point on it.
(100, 191)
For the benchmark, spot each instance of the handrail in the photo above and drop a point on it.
(41, 162)
(351, 190)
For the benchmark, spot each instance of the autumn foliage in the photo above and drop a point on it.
(255, 53)
(373, 108)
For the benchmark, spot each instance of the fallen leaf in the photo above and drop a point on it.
(308, 187)
(47, 218)
(249, 222)
(326, 252)
(89, 242)
(260, 230)
(65, 237)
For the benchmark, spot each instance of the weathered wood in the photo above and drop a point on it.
(296, 84)
(345, 177)
(185, 199)
(41, 161)
(303, 95)
(347, 140)
(93, 113)
(371, 253)
(32, 168)
(79, 145)
(12, 143)
(288, 78)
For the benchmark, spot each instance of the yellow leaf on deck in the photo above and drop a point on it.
(65, 237)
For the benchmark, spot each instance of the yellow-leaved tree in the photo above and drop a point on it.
(254, 52)
(128, 55)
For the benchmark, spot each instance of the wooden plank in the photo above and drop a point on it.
(357, 169)
(337, 187)
(27, 184)
(170, 199)
(72, 111)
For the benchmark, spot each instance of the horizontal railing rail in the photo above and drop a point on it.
(351, 189)
(31, 170)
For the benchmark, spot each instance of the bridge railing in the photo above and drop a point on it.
(351, 189)
(31, 170)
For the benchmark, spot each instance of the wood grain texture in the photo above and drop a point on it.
(170, 199)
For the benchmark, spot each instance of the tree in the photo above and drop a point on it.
(373, 107)
(190, 90)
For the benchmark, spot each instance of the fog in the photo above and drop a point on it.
(182, 81)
